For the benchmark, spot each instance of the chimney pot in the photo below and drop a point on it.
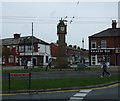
(16, 36)
(114, 23)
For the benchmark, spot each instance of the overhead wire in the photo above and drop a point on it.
(47, 20)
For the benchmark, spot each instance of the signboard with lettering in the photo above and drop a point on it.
(117, 51)
(100, 51)
(19, 74)
(35, 53)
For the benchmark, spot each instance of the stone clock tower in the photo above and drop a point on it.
(61, 32)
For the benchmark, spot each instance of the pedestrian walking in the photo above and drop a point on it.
(25, 63)
(105, 67)
(49, 64)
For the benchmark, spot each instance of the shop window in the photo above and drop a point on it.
(93, 62)
(93, 58)
(93, 44)
(103, 44)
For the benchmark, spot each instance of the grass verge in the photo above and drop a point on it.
(56, 83)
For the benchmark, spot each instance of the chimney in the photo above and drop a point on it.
(114, 23)
(16, 36)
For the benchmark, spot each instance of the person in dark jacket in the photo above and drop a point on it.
(105, 66)
(49, 64)
(25, 64)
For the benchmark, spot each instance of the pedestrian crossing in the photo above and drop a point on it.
(79, 96)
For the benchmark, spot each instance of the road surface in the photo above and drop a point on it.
(65, 74)
(108, 93)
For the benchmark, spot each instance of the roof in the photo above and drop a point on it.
(110, 32)
(72, 48)
(22, 40)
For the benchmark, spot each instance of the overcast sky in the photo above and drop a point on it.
(87, 19)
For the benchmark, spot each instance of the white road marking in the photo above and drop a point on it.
(76, 98)
(85, 91)
(79, 96)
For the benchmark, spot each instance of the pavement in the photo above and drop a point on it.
(12, 67)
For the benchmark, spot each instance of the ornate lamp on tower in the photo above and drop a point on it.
(83, 43)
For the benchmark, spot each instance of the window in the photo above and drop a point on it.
(16, 58)
(103, 44)
(11, 59)
(21, 48)
(10, 48)
(16, 48)
(3, 60)
(93, 44)
(28, 48)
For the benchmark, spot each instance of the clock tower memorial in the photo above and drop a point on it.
(61, 32)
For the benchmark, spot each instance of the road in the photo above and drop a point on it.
(99, 94)
(65, 74)
(108, 93)
(64, 95)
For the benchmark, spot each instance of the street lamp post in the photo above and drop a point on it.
(24, 54)
(32, 45)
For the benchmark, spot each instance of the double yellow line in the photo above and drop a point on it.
(62, 91)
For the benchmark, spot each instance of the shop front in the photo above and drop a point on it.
(39, 59)
(117, 57)
(98, 55)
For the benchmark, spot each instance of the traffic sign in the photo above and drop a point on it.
(19, 74)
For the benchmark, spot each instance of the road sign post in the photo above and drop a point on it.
(29, 80)
(9, 81)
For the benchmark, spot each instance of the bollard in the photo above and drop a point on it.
(9, 83)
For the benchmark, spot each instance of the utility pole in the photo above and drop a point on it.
(32, 45)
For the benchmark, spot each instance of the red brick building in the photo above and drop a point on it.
(18, 49)
(105, 45)
(74, 54)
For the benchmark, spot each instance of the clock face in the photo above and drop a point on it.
(62, 28)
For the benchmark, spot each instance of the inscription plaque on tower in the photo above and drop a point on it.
(61, 32)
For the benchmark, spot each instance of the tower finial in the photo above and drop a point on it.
(83, 43)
